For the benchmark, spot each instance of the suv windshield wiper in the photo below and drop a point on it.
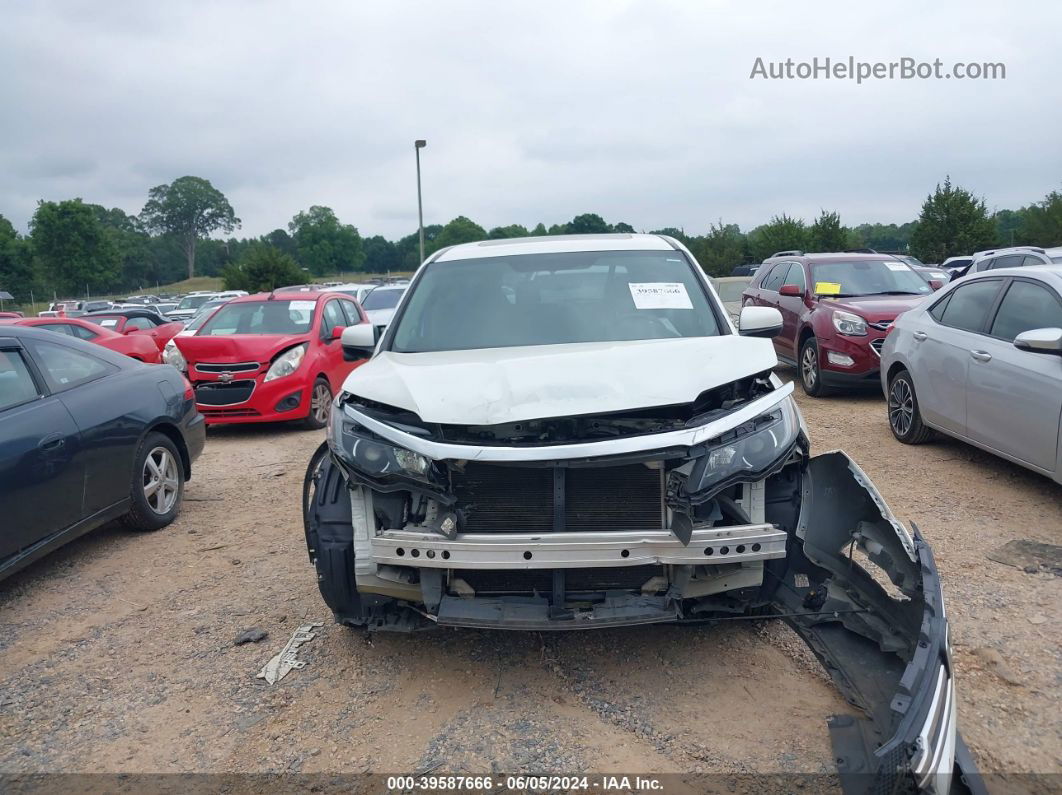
(896, 292)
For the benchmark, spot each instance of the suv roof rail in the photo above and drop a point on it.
(793, 253)
(860, 251)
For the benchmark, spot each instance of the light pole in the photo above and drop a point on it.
(417, 146)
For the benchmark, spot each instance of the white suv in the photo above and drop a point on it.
(568, 432)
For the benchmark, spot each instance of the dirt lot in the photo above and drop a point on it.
(118, 650)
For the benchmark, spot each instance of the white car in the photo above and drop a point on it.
(568, 432)
(381, 303)
(981, 360)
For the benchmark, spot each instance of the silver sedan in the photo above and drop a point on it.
(981, 360)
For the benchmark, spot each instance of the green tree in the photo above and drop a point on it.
(1041, 223)
(672, 231)
(623, 227)
(953, 221)
(408, 247)
(512, 230)
(721, 249)
(132, 244)
(381, 255)
(282, 241)
(588, 224)
(781, 233)
(827, 233)
(459, 230)
(72, 250)
(189, 208)
(325, 245)
(262, 268)
(539, 230)
(16, 271)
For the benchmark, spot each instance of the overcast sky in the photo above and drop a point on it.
(641, 111)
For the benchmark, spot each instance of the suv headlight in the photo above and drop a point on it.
(287, 363)
(747, 450)
(171, 354)
(848, 324)
(373, 457)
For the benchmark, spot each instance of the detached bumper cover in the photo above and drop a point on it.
(886, 650)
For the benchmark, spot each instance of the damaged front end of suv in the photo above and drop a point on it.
(428, 508)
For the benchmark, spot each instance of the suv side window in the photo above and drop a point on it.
(1026, 306)
(1031, 259)
(969, 305)
(138, 323)
(775, 277)
(1010, 261)
(16, 381)
(796, 276)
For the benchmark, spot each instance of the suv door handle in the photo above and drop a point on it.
(981, 356)
(920, 336)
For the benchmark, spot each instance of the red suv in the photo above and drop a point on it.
(269, 357)
(836, 310)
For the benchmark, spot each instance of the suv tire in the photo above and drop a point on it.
(809, 369)
(905, 418)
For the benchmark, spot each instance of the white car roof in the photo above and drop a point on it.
(555, 244)
(1051, 274)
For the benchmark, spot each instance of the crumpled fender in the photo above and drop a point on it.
(885, 648)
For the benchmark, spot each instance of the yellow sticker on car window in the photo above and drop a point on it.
(827, 288)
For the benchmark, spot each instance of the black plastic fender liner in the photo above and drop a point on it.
(330, 536)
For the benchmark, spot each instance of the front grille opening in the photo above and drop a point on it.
(501, 499)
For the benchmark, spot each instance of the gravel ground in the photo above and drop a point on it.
(118, 651)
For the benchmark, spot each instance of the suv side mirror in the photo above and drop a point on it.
(759, 321)
(791, 290)
(1040, 340)
(358, 341)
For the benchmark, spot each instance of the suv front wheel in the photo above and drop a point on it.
(810, 371)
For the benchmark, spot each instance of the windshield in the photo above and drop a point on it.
(551, 299)
(872, 277)
(730, 291)
(193, 301)
(260, 317)
(382, 299)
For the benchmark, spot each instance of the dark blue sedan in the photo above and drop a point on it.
(86, 436)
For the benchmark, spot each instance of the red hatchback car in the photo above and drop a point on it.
(836, 310)
(140, 348)
(269, 357)
(138, 322)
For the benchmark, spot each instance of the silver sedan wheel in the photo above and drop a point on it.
(901, 407)
(161, 480)
(321, 402)
(809, 367)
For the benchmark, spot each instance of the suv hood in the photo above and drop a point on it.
(876, 308)
(233, 348)
(491, 386)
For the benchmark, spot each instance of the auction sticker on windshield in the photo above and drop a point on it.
(660, 295)
(302, 306)
(827, 288)
(895, 266)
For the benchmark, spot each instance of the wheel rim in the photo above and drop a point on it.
(320, 402)
(161, 480)
(809, 366)
(901, 406)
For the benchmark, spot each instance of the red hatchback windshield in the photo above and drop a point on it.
(260, 317)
